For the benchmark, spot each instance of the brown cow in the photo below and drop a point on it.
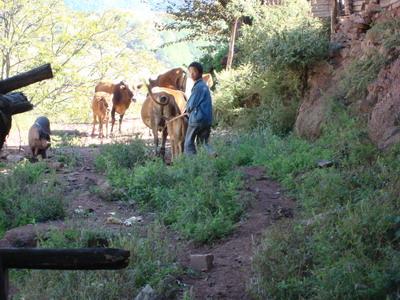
(177, 128)
(173, 79)
(161, 105)
(101, 111)
(122, 96)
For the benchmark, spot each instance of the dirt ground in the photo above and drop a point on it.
(229, 277)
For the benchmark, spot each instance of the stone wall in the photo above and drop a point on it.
(322, 8)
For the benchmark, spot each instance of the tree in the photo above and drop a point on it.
(215, 22)
(82, 48)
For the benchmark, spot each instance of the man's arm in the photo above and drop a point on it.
(197, 95)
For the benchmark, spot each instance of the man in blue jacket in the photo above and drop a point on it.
(199, 109)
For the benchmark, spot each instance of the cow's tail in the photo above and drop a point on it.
(154, 98)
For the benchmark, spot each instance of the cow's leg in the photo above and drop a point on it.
(43, 154)
(112, 119)
(34, 153)
(180, 147)
(94, 124)
(106, 124)
(120, 122)
(172, 149)
(163, 142)
(155, 137)
(101, 127)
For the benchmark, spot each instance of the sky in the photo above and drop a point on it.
(144, 6)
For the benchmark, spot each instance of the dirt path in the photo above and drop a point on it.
(231, 272)
(232, 256)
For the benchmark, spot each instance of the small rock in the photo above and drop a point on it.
(14, 158)
(325, 163)
(25, 236)
(132, 220)
(201, 262)
(147, 293)
(105, 190)
(5, 243)
(114, 220)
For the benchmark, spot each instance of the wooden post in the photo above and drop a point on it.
(25, 79)
(59, 259)
(3, 281)
(64, 259)
(231, 51)
(333, 16)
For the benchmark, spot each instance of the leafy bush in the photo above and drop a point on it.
(211, 61)
(286, 37)
(289, 42)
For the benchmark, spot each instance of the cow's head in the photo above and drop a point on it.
(125, 91)
(136, 92)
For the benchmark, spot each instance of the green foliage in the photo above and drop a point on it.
(82, 48)
(151, 261)
(29, 195)
(386, 33)
(286, 37)
(212, 61)
(346, 246)
(289, 42)
(359, 74)
(196, 196)
(121, 155)
(279, 92)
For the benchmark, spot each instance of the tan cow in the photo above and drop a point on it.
(173, 79)
(122, 96)
(162, 104)
(177, 128)
(101, 111)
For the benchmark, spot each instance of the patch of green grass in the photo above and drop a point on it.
(152, 262)
(68, 156)
(198, 196)
(347, 245)
(359, 74)
(30, 193)
(121, 155)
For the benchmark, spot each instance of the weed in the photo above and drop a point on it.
(152, 260)
(29, 195)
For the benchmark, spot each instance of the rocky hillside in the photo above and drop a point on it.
(363, 73)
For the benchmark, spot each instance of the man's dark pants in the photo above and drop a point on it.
(200, 134)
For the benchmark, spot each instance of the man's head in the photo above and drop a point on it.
(195, 70)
